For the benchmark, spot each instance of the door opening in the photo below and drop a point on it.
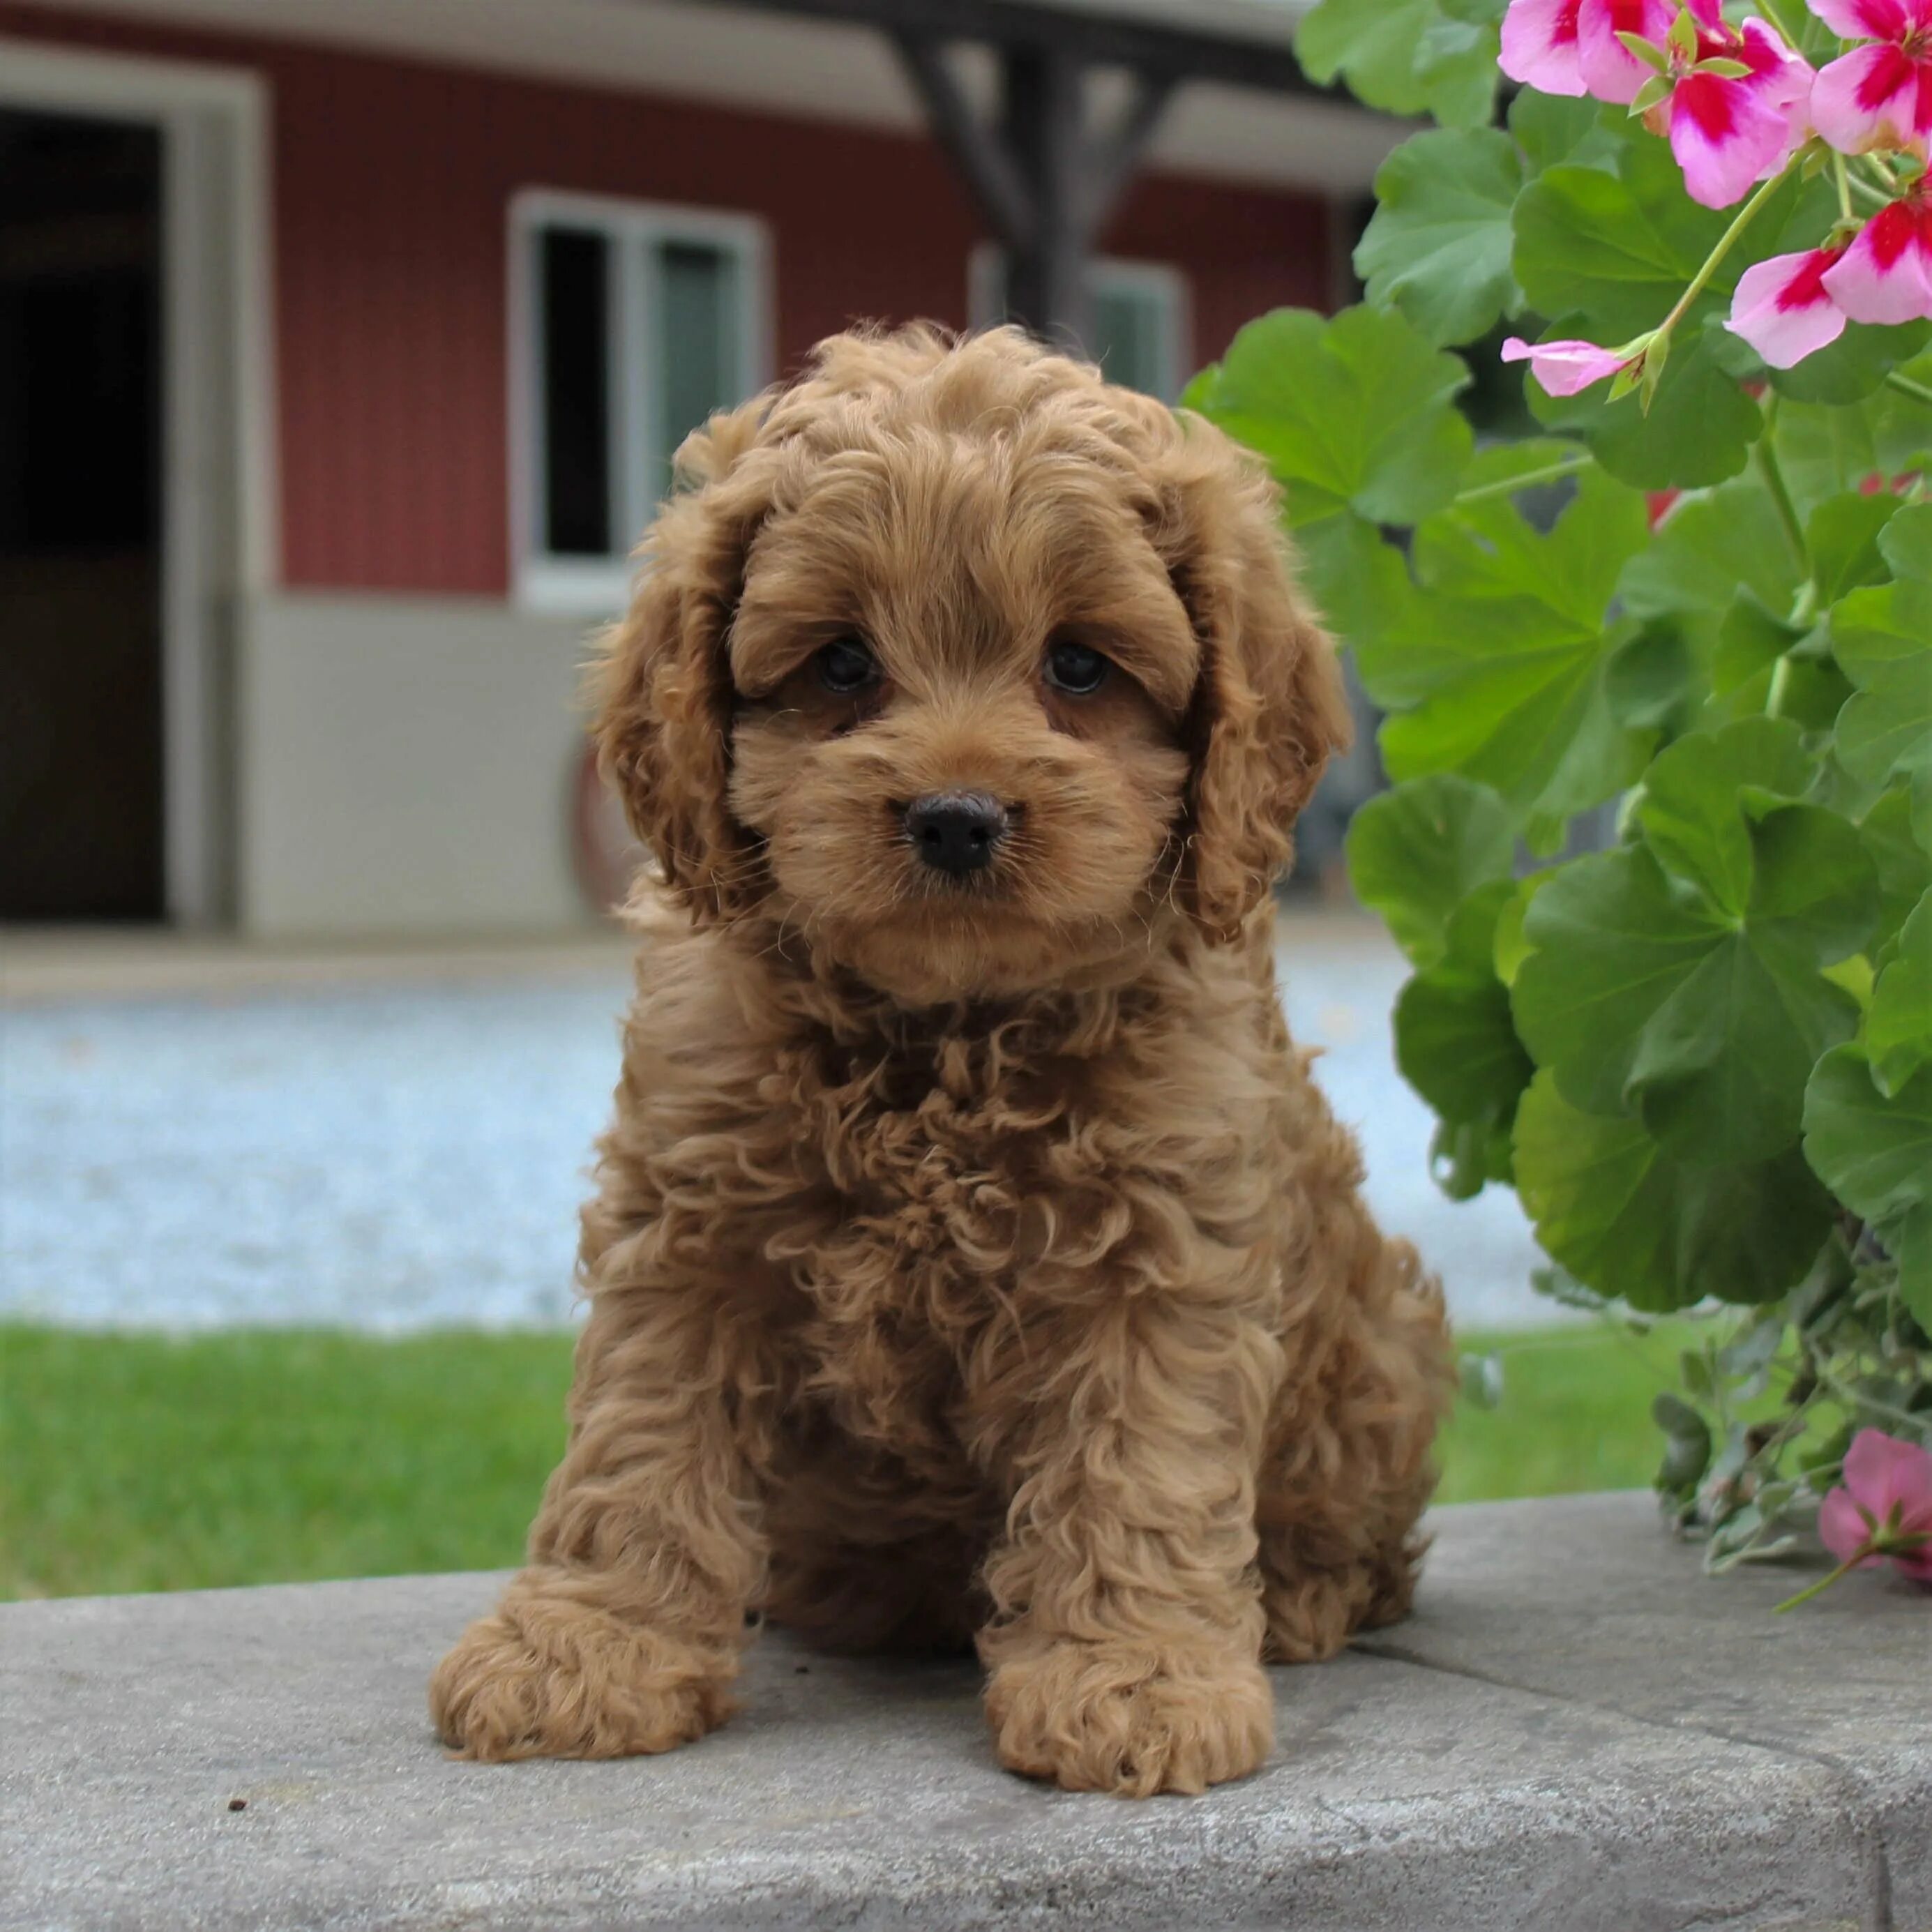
(82, 833)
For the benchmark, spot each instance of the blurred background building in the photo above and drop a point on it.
(344, 344)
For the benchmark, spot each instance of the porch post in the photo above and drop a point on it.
(1044, 189)
(1044, 114)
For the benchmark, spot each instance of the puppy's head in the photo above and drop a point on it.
(967, 668)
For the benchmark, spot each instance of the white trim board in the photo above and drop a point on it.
(815, 70)
(219, 544)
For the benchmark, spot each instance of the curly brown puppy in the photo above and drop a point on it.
(974, 1259)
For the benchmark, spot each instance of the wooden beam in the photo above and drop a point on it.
(1111, 166)
(975, 149)
(1044, 121)
(1044, 189)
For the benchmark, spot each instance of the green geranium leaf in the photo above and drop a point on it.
(1826, 451)
(1464, 1157)
(1416, 852)
(1404, 56)
(1438, 247)
(1698, 431)
(1750, 640)
(1874, 1152)
(1691, 812)
(1513, 469)
(1903, 862)
(1709, 549)
(1511, 948)
(1455, 65)
(1815, 691)
(1902, 424)
(1654, 679)
(1851, 368)
(1615, 250)
(1842, 534)
(1456, 1044)
(1642, 996)
(1358, 412)
(1898, 1027)
(1552, 128)
(1882, 638)
(1907, 543)
(1611, 1206)
(1500, 673)
(1359, 582)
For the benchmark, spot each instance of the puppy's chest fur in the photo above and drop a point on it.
(933, 1163)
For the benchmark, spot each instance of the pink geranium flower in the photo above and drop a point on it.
(1783, 308)
(1570, 47)
(1730, 131)
(1608, 69)
(1540, 45)
(1881, 1513)
(1885, 1508)
(1878, 96)
(1565, 368)
(1886, 274)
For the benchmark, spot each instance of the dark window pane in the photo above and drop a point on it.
(699, 353)
(574, 277)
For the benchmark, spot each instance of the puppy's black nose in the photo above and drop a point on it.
(956, 831)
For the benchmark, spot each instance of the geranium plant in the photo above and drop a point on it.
(1700, 599)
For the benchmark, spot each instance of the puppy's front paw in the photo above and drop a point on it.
(1131, 1719)
(546, 1677)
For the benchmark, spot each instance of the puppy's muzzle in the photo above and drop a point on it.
(956, 832)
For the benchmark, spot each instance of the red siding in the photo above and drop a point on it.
(391, 181)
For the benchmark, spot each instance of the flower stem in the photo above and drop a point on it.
(1551, 472)
(1844, 181)
(1726, 242)
(1919, 392)
(1855, 1400)
(1823, 1583)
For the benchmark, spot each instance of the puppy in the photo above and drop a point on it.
(974, 1262)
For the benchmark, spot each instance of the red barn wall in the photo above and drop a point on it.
(391, 179)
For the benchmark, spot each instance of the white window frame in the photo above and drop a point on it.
(985, 277)
(591, 586)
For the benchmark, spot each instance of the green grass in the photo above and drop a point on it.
(141, 1463)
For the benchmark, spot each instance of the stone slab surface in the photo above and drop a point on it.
(1577, 1733)
(1624, 1620)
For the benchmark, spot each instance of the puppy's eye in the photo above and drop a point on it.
(845, 665)
(1076, 669)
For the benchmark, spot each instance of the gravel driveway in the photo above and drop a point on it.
(399, 1156)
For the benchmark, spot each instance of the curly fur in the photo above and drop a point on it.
(973, 1262)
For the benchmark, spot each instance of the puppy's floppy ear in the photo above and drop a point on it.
(1270, 705)
(660, 688)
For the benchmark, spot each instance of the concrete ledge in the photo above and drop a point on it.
(1577, 1733)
